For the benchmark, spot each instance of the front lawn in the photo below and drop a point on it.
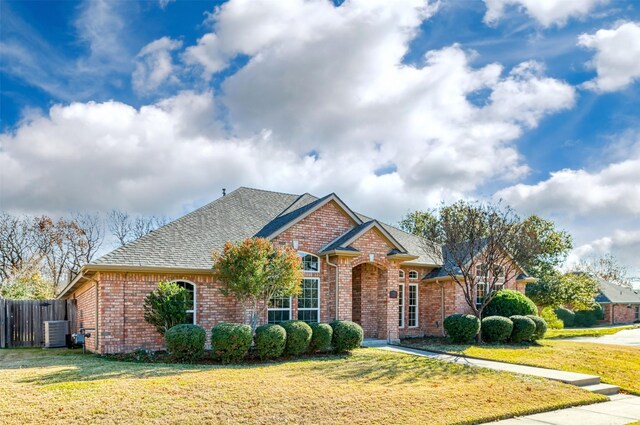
(592, 332)
(369, 386)
(615, 364)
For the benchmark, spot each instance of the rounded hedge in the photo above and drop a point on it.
(549, 316)
(347, 335)
(270, 341)
(523, 328)
(598, 311)
(185, 342)
(507, 303)
(298, 337)
(541, 327)
(230, 342)
(567, 316)
(461, 327)
(496, 328)
(585, 318)
(320, 337)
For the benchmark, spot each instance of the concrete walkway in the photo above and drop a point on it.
(588, 382)
(622, 409)
(630, 337)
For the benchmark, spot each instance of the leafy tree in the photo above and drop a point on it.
(27, 285)
(165, 307)
(253, 271)
(474, 233)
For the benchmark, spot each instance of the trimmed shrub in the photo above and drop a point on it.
(567, 316)
(185, 342)
(523, 328)
(549, 316)
(541, 327)
(347, 335)
(461, 327)
(507, 303)
(585, 318)
(230, 342)
(298, 337)
(270, 341)
(496, 328)
(598, 311)
(320, 337)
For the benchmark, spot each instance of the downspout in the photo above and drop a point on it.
(326, 259)
(441, 306)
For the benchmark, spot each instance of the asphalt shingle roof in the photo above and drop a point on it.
(616, 294)
(189, 241)
(339, 243)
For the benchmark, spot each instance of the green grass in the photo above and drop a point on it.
(593, 332)
(615, 364)
(369, 386)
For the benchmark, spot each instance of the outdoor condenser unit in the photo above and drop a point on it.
(55, 333)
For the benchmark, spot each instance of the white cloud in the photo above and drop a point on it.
(154, 65)
(319, 78)
(617, 58)
(164, 3)
(546, 12)
(623, 244)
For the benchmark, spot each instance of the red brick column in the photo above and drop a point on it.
(344, 289)
(388, 306)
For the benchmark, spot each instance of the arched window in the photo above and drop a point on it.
(413, 275)
(310, 263)
(191, 300)
(401, 275)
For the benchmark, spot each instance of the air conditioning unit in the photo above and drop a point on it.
(55, 333)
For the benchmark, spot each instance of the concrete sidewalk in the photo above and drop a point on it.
(622, 409)
(588, 382)
(630, 337)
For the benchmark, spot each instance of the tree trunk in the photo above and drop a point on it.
(479, 336)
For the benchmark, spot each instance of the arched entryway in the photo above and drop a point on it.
(369, 298)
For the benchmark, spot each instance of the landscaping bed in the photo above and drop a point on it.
(615, 364)
(367, 386)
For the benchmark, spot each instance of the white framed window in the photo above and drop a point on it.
(413, 275)
(413, 305)
(401, 275)
(190, 302)
(498, 271)
(310, 262)
(309, 301)
(279, 309)
(481, 271)
(401, 305)
(481, 292)
(637, 313)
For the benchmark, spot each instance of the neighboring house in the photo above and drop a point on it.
(621, 304)
(355, 268)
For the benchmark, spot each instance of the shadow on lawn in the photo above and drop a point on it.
(445, 346)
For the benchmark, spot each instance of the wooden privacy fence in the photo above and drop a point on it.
(22, 321)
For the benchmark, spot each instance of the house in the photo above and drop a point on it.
(355, 268)
(621, 304)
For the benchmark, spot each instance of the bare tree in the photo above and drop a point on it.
(119, 224)
(481, 245)
(18, 244)
(605, 267)
(90, 232)
(126, 229)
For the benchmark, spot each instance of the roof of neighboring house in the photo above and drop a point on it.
(188, 242)
(611, 293)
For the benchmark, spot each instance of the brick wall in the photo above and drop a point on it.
(619, 313)
(86, 298)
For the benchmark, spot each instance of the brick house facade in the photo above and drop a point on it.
(359, 269)
(621, 304)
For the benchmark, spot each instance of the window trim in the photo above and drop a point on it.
(195, 305)
(317, 279)
(415, 285)
(303, 254)
(401, 309)
(484, 291)
(417, 275)
(280, 309)
(401, 275)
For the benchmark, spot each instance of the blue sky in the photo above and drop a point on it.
(155, 106)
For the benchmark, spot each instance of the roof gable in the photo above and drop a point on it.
(343, 242)
(290, 217)
(616, 294)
